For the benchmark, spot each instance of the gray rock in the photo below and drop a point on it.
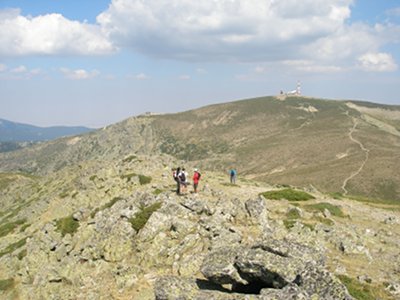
(290, 292)
(255, 207)
(272, 269)
(394, 288)
(318, 282)
(218, 266)
(196, 205)
(291, 249)
(178, 288)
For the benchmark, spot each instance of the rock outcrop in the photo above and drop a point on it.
(97, 233)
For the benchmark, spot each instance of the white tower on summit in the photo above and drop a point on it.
(298, 88)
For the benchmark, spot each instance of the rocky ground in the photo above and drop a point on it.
(105, 230)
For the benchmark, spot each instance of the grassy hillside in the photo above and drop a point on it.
(332, 145)
(335, 146)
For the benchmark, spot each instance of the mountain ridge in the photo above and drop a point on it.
(336, 146)
(21, 132)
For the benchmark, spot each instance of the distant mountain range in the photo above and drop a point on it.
(17, 132)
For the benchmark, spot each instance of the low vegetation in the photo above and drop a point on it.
(22, 254)
(105, 206)
(9, 227)
(67, 225)
(128, 177)
(157, 192)
(230, 184)
(129, 159)
(144, 179)
(333, 209)
(288, 194)
(11, 248)
(6, 284)
(291, 218)
(363, 291)
(140, 219)
(375, 201)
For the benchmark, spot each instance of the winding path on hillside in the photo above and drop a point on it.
(362, 147)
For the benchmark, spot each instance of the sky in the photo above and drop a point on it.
(97, 62)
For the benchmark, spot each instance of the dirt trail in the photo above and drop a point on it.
(362, 147)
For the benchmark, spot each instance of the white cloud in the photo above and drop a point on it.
(79, 74)
(49, 34)
(394, 12)
(311, 67)
(20, 69)
(18, 73)
(201, 71)
(184, 77)
(142, 76)
(259, 69)
(246, 31)
(378, 62)
(226, 29)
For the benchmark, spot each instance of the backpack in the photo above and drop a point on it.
(199, 175)
(182, 177)
(175, 175)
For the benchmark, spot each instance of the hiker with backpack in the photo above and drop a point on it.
(182, 180)
(233, 175)
(175, 174)
(196, 178)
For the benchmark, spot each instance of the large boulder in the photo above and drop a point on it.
(271, 269)
(219, 266)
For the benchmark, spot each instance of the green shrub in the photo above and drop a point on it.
(336, 195)
(6, 284)
(67, 225)
(144, 179)
(293, 214)
(64, 194)
(289, 223)
(325, 221)
(9, 227)
(105, 206)
(11, 248)
(291, 218)
(128, 177)
(129, 159)
(22, 254)
(93, 177)
(288, 194)
(140, 219)
(230, 184)
(24, 227)
(157, 192)
(333, 209)
(356, 289)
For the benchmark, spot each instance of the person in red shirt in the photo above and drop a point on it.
(196, 178)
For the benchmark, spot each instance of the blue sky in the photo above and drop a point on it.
(97, 62)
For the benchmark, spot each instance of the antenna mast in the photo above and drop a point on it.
(298, 89)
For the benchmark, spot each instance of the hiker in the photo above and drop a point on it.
(182, 180)
(233, 174)
(196, 178)
(186, 177)
(176, 178)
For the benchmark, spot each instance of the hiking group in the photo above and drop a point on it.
(181, 177)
